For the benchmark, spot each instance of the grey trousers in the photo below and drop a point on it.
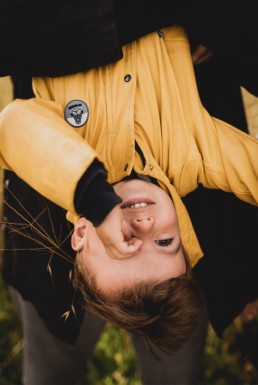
(49, 361)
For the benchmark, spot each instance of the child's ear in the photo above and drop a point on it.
(79, 234)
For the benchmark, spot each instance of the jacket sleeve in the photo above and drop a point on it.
(229, 159)
(43, 150)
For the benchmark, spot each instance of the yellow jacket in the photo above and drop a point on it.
(149, 96)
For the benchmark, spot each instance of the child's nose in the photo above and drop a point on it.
(142, 224)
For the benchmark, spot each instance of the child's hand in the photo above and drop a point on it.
(117, 237)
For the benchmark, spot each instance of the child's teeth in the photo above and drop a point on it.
(137, 205)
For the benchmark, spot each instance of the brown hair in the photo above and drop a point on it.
(164, 314)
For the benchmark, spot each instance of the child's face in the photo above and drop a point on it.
(155, 223)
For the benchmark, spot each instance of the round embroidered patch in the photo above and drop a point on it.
(76, 113)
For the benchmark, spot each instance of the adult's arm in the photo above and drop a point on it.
(60, 37)
(56, 37)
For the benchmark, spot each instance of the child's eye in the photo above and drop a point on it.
(164, 242)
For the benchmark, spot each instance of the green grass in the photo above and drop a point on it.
(113, 361)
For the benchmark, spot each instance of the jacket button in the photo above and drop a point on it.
(127, 78)
(151, 167)
(161, 34)
(126, 167)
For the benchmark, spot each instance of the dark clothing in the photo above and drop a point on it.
(56, 37)
(49, 361)
(71, 37)
(60, 37)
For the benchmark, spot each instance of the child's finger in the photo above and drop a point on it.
(125, 249)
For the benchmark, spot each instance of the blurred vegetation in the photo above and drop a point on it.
(233, 361)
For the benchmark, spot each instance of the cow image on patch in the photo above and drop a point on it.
(76, 113)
